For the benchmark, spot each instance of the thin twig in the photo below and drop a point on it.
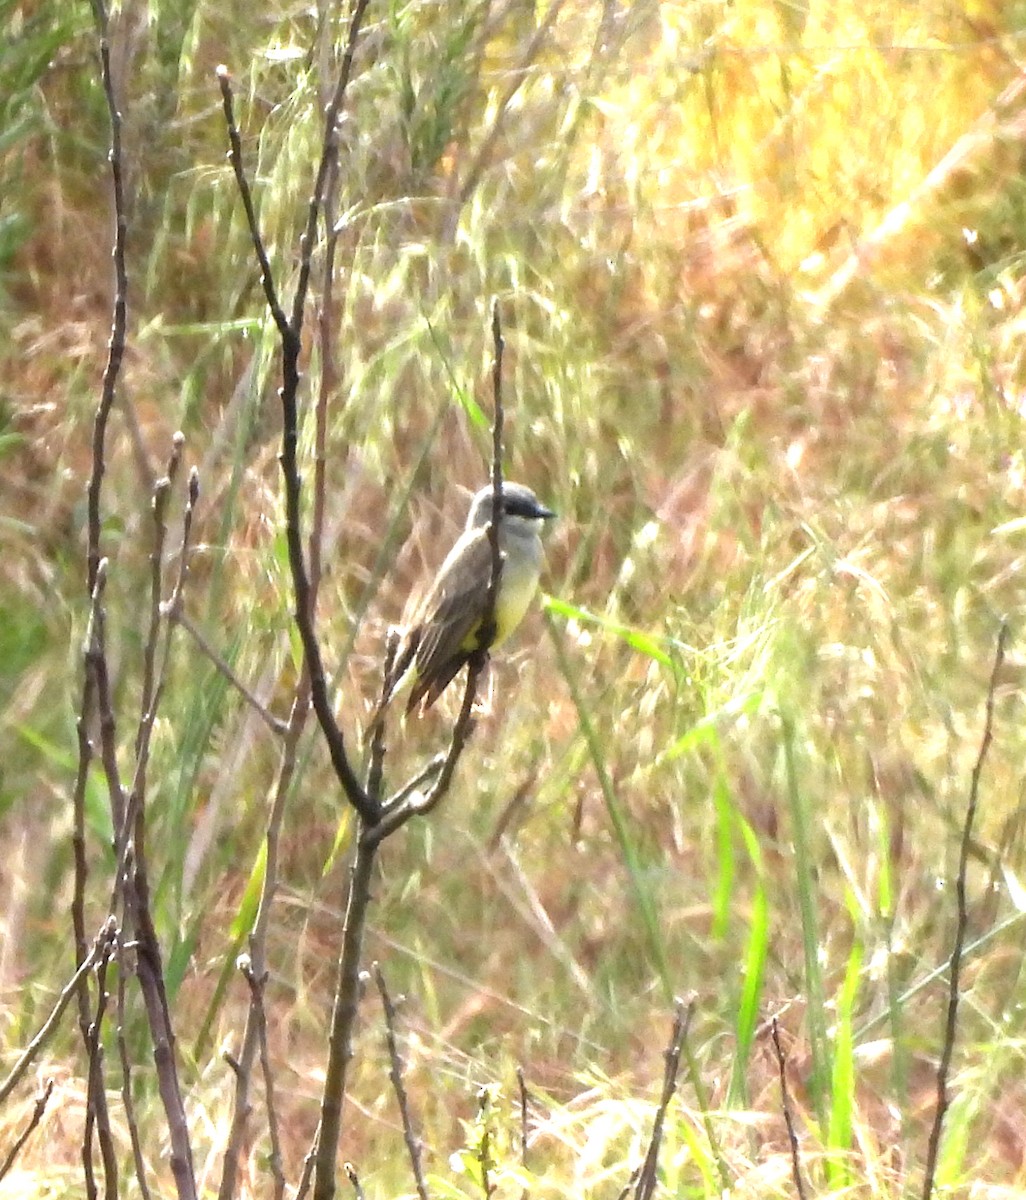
(275, 724)
(428, 771)
(152, 683)
(256, 988)
(291, 345)
(314, 684)
(85, 757)
(413, 1142)
(681, 1020)
(376, 732)
(119, 324)
(343, 1016)
(224, 80)
(487, 633)
(126, 1080)
(484, 1146)
(522, 1091)
(149, 960)
(162, 491)
(150, 972)
(49, 1026)
(174, 604)
(328, 153)
(37, 1115)
(962, 924)
(258, 935)
(785, 1103)
(415, 803)
(162, 620)
(328, 321)
(96, 662)
(306, 1178)
(149, 969)
(625, 1191)
(354, 1179)
(97, 1114)
(408, 803)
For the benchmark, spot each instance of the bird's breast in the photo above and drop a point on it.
(517, 587)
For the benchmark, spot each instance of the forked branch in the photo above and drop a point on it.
(291, 331)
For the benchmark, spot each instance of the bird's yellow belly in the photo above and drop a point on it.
(514, 599)
(516, 591)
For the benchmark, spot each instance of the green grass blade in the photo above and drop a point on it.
(753, 973)
(842, 1081)
(617, 816)
(805, 880)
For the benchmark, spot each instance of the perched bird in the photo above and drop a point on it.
(442, 630)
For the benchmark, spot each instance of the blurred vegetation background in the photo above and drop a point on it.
(761, 273)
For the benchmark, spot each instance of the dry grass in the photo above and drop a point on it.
(762, 282)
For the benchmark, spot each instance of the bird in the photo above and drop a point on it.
(443, 628)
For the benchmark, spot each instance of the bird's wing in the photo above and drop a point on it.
(448, 614)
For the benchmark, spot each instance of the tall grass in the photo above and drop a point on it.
(733, 757)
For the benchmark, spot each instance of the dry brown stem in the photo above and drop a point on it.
(785, 1103)
(962, 924)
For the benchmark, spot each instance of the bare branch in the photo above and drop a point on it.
(343, 1017)
(328, 321)
(428, 771)
(126, 1082)
(132, 844)
(49, 1026)
(354, 1179)
(275, 724)
(413, 803)
(161, 619)
(408, 803)
(96, 663)
(119, 325)
(256, 987)
(96, 1114)
(413, 1142)
(485, 1163)
(150, 974)
(487, 634)
(522, 1093)
(85, 757)
(625, 1191)
(376, 732)
(162, 491)
(291, 344)
(78, 919)
(328, 156)
(307, 1176)
(258, 938)
(955, 969)
(37, 1115)
(681, 1020)
(224, 80)
(150, 971)
(785, 1101)
(153, 677)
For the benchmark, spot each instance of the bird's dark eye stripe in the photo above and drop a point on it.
(520, 508)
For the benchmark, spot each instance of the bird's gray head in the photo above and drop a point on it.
(520, 511)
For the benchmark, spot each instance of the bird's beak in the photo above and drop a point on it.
(545, 514)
